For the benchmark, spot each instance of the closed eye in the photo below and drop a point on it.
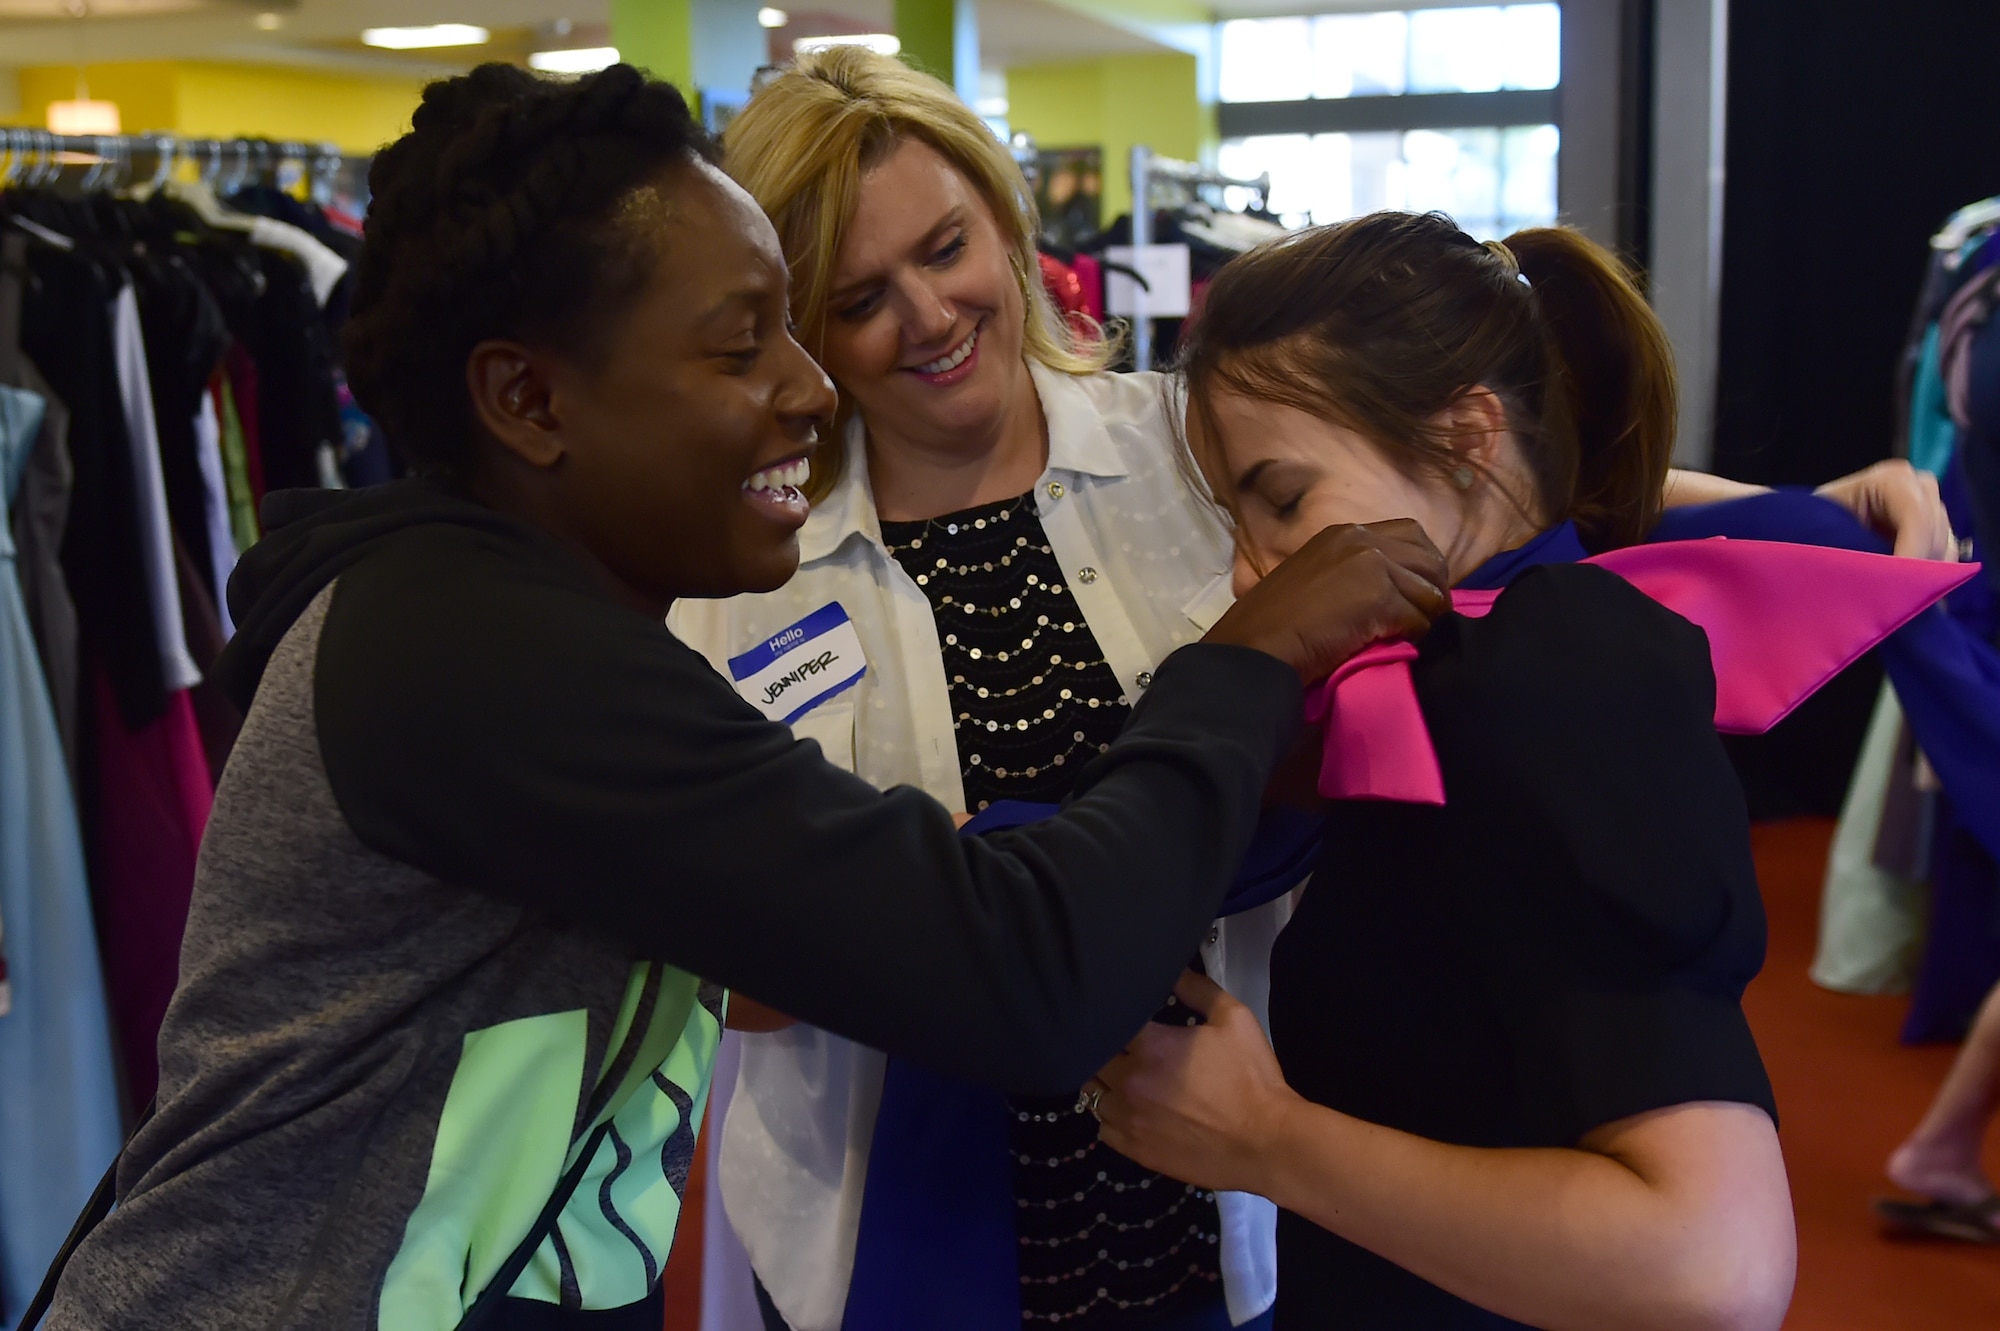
(948, 253)
(858, 310)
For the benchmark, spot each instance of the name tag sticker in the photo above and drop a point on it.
(792, 672)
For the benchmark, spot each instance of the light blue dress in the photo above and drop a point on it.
(59, 1125)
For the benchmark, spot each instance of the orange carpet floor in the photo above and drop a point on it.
(1847, 1093)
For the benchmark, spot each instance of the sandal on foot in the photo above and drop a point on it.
(1968, 1222)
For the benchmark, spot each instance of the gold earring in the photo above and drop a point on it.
(1463, 477)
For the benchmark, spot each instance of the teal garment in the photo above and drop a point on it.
(1933, 436)
(59, 1124)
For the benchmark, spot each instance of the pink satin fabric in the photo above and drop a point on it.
(1781, 621)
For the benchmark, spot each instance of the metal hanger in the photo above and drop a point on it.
(167, 154)
(107, 148)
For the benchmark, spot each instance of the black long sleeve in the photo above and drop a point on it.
(487, 716)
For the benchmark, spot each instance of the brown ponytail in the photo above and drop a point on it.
(1617, 368)
(1381, 323)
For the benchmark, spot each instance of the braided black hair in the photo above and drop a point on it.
(497, 216)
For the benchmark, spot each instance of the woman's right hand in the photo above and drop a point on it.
(1347, 587)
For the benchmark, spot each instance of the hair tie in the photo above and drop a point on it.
(1500, 250)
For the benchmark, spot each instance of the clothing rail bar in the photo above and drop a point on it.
(1194, 173)
(36, 156)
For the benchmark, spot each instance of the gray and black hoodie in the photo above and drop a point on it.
(488, 847)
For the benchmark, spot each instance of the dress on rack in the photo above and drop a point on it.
(40, 509)
(1949, 412)
(59, 1121)
(143, 784)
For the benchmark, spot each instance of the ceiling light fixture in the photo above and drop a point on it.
(772, 18)
(581, 60)
(83, 116)
(434, 34)
(268, 22)
(882, 43)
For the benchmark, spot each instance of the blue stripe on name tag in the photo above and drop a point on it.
(823, 620)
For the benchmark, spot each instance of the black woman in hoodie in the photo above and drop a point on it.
(493, 841)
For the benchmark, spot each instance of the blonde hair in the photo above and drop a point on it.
(801, 147)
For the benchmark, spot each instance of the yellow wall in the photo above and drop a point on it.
(1114, 102)
(359, 114)
(207, 100)
(144, 91)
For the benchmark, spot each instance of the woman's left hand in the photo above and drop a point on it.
(1896, 500)
(1203, 1104)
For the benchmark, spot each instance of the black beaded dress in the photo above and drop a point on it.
(1103, 1242)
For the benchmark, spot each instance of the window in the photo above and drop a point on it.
(1452, 109)
(1485, 50)
(1490, 48)
(1492, 181)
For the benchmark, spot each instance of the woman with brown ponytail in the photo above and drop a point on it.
(1512, 1081)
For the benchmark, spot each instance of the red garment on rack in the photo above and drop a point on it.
(152, 796)
(342, 221)
(1197, 294)
(242, 371)
(1065, 288)
(1090, 274)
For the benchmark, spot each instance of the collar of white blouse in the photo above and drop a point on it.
(1080, 445)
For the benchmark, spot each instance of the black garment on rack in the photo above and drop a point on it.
(269, 307)
(1979, 441)
(66, 330)
(298, 412)
(185, 338)
(226, 263)
(267, 304)
(264, 201)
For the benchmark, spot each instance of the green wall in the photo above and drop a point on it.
(1114, 102)
(657, 36)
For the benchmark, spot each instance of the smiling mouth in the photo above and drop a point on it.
(953, 359)
(788, 475)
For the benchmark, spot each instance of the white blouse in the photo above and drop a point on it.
(1149, 564)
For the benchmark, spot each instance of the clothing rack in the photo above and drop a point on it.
(36, 157)
(1151, 173)
(170, 313)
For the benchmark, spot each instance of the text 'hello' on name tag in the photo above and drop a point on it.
(792, 672)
